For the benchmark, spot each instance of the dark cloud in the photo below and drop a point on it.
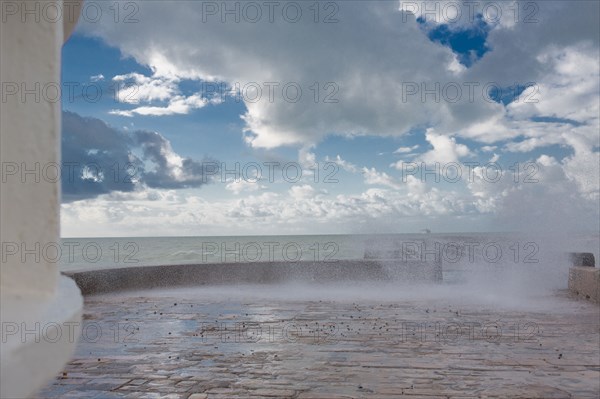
(157, 149)
(99, 159)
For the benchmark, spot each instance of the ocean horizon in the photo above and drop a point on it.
(451, 248)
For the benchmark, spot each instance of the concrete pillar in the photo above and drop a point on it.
(584, 276)
(36, 301)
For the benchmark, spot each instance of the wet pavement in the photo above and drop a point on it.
(176, 345)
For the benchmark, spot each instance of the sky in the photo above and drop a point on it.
(185, 118)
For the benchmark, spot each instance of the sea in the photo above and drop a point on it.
(454, 250)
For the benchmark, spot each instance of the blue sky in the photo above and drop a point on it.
(376, 127)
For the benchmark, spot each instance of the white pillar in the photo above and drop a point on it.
(36, 301)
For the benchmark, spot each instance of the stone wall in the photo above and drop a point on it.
(585, 282)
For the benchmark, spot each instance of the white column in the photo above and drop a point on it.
(36, 301)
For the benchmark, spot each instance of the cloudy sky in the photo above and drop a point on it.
(331, 117)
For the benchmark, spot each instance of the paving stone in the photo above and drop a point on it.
(137, 382)
(373, 350)
(279, 393)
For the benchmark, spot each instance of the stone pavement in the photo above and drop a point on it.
(176, 345)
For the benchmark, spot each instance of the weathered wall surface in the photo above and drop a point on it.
(585, 282)
(35, 299)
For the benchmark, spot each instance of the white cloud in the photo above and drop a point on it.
(135, 88)
(550, 199)
(583, 167)
(404, 150)
(456, 67)
(369, 103)
(368, 76)
(373, 177)
(177, 105)
(368, 90)
(306, 158)
(560, 56)
(342, 163)
(538, 195)
(445, 150)
(244, 185)
(302, 192)
(97, 78)
(302, 209)
(570, 89)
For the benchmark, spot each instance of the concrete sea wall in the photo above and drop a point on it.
(148, 277)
